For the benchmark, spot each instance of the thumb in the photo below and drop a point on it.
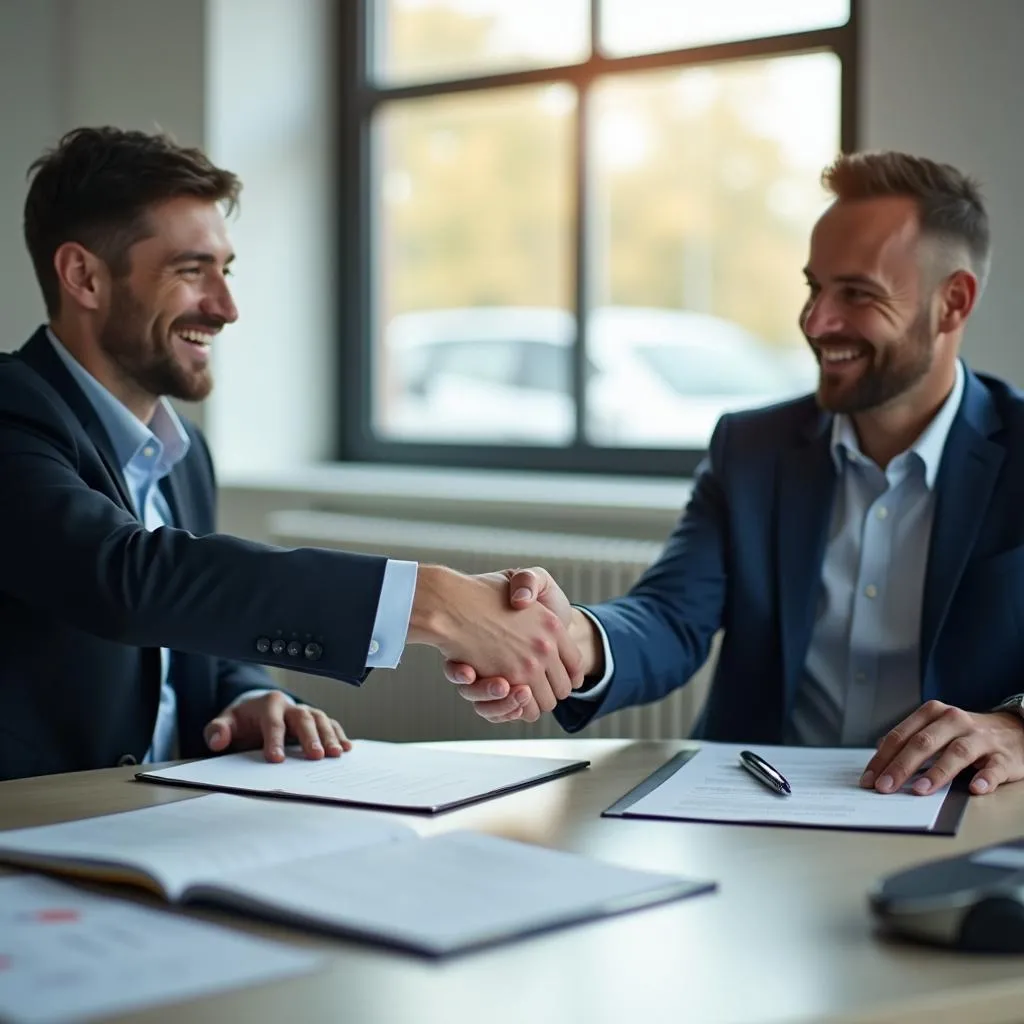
(524, 586)
(219, 732)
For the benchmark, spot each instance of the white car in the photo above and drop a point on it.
(655, 377)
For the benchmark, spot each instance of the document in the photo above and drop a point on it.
(349, 872)
(389, 776)
(711, 785)
(68, 955)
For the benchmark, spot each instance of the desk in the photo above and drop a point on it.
(800, 893)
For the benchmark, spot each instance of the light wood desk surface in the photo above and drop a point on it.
(787, 937)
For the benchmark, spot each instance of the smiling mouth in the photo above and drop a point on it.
(197, 338)
(838, 358)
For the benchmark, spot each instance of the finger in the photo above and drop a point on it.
(329, 737)
(523, 586)
(492, 710)
(459, 673)
(922, 746)
(219, 732)
(273, 729)
(343, 741)
(961, 753)
(994, 771)
(491, 688)
(303, 726)
(895, 740)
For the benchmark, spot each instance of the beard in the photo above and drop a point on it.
(147, 358)
(886, 376)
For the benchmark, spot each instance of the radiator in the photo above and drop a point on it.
(415, 701)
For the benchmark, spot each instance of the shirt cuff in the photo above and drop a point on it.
(253, 694)
(597, 691)
(394, 609)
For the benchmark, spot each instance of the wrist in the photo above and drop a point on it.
(584, 634)
(430, 621)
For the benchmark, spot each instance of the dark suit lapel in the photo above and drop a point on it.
(41, 356)
(967, 474)
(807, 481)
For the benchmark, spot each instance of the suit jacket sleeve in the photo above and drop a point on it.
(69, 549)
(660, 633)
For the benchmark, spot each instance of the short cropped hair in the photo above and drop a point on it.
(950, 206)
(96, 187)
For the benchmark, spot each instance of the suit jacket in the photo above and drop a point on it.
(88, 596)
(747, 555)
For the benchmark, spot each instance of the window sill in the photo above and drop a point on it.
(610, 505)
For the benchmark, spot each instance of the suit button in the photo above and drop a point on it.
(263, 645)
(294, 648)
(313, 651)
(278, 646)
(125, 760)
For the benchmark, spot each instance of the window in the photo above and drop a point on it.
(573, 231)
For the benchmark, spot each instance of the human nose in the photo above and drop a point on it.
(219, 303)
(821, 317)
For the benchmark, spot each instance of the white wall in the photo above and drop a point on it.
(249, 78)
(945, 79)
(31, 87)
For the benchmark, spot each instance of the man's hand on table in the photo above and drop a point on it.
(992, 742)
(265, 720)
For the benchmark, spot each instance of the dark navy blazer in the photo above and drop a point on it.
(88, 596)
(747, 554)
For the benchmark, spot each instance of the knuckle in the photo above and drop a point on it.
(935, 707)
(961, 748)
(922, 741)
(958, 716)
(543, 647)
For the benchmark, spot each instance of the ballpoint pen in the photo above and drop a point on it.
(765, 773)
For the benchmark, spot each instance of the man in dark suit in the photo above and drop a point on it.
(128, 628)
(862, 549)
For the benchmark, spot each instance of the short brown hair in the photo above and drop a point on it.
(95, 188)
(950, 206)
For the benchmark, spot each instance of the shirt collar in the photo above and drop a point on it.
(928, 447)
(128, 434)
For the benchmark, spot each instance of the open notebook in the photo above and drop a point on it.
(348, 872)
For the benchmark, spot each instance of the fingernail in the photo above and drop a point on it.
(867, 780)
(522, 698)
(922, 786)
(980, 786)
(885, 783)
(497, 689)
(462, 676)
(522, 594)
(277, 752)
(316, 746)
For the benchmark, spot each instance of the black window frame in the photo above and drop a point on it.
(358, 98)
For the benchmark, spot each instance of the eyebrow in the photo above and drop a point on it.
(196, 256)
(860, 279)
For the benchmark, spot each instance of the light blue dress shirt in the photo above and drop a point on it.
(862, 672)
(146, 454)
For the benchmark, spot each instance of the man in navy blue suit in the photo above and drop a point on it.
(862, 548)
(129, 629)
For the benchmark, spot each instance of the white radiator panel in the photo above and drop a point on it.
(415, 701)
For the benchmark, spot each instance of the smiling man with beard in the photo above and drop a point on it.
(862, 549)
(129, 629)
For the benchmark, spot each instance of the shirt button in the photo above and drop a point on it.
(882, 512)
(871, 591)
(374, 647)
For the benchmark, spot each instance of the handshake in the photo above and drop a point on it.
(512, 642)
